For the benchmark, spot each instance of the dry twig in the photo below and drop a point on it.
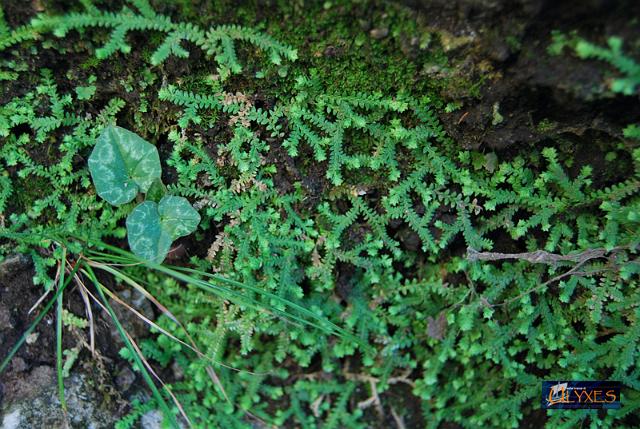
(537, 257)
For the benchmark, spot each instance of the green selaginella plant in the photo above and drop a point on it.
(122, 166)
(357, 205)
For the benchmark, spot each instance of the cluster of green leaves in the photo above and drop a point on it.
(357, 119)
(44, 184)
(411, 174)
(122, 165)
(216, 42)
(613, 54)
(358, 207)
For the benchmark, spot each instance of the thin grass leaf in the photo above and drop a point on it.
(123, 334)
(60, 375)
(193, 347)
(226, 293)
(165, 386)
(163, 331)
(125, 278)
(210, 371)
(136, 283)
(89, 313)
(188, 275)
(133, 342)
(39, 301)
(322, 323)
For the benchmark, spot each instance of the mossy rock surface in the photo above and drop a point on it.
(398, 175)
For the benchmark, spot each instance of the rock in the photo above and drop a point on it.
(37, 405)
(5, 318)
(178, 372)
(18, 365)
(12, 264)
(28, 386)
(379, 33)
(151, 420)
(132, 323)
(12, 420)
(32, 338)
(125, 379)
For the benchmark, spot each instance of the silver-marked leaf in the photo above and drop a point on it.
(123, 164)
(146, 237)
(151, 227)
(177, 216)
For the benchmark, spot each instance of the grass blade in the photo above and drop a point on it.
(125, 337)
(136, 285)
(60, 375)
(218, 286)
(88, 312)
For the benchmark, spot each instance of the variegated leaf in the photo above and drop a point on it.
(151, 227)
(123, 164)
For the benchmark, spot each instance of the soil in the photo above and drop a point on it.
(530, 85)
(524, 85)
(105, 380)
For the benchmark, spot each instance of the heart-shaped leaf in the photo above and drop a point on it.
(178, 217)
(123, 164)
(151, 227)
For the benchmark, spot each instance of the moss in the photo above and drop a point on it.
(387, 49)
(350, 47)
(26, 192)
(546, 126)
(91, 63)
(497, 117)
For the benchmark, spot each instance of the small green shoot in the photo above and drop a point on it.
(123, 165)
